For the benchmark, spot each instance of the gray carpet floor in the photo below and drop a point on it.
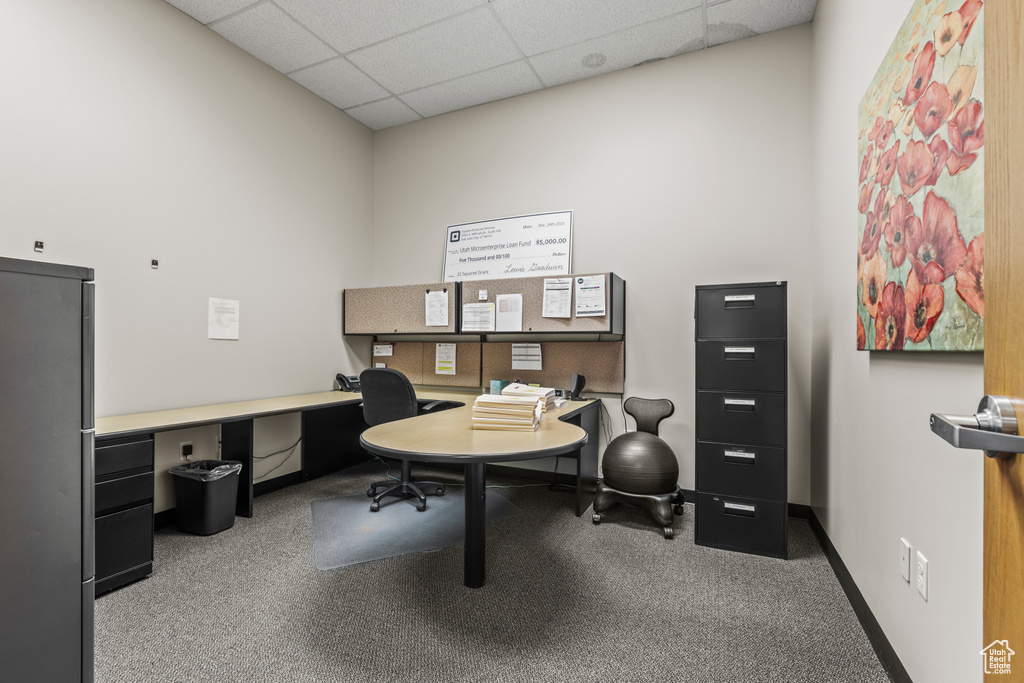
(565, 600)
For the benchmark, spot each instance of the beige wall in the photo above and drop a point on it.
(692, 170)
(130, 132)
(879, 474)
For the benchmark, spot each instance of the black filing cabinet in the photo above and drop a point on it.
(741, 417)
(124, 511)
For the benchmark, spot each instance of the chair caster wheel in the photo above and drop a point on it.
(440, 492)
(596, 518)
(421, 506)
(374, 507)
(669, 532)
(678, 509)
(371, 492)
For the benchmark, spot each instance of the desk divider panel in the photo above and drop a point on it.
(602, 363)
(416, 361)
(532, 289)
(396, 310)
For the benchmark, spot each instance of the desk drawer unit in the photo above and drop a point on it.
(124, 511)
(741, 414)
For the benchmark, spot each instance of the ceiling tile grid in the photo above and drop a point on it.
(388, 62)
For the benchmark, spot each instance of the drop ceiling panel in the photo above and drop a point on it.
(498, 83)
(667, 37)
(350, 24)
(383, 114)
(738, 19)
(270, 35)
(457, 47)
(542, 25)
(340, 83)
(206, 11)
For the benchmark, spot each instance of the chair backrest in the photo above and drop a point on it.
(648, 412)
(387, 396)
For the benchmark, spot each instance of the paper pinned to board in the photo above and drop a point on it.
(557, 297)
(381, 350)
(509, 317)
(478, 317)
(437, 308)
(590, 296)
(526, 357)
(444, 359)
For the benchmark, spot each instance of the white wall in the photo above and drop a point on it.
(692, 170)
(878, 472)
(130, 132)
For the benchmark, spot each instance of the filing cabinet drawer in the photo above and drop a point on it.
(123, 540)
(123, 456)
(738, 523)
(741, 311)
(749, 365)
(741, 417)
(731, 469)
(116, 493)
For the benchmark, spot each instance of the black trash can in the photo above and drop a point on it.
(204, 495)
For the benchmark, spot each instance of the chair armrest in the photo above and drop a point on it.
(430, 406)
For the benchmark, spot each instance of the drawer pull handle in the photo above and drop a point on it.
(740, 301)
(740, 457)
(740, 352)
(738, 510)
(740, 405)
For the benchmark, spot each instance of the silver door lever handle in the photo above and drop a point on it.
(992, 429)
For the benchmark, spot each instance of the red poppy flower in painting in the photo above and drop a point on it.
(933, 109)
(924, 304)
(966, 134)
(862, 335)
(940, 152)
(971, 277)
(891, 321)
(922, 73)
(865, 164)
(884, 135)
(875, 129)
(947, 32)
(968, 14)
(887, 164)
(914, 167)
(872, 279)
(865, 197)
(895, 235)
(873, 229)
(935, 240)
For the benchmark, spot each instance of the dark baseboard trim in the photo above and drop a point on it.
(277, 483)
(799, 511)
(883, 648)
(165, 518)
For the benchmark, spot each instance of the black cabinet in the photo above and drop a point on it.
(124, 511)
(741, 417)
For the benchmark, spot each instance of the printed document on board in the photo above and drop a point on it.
(557, 297)
(478, 317)
(444, 359)
(437, 308)
(510, 313)
(590, 296)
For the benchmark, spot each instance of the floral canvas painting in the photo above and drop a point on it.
(921, 192)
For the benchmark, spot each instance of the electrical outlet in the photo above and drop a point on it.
(921, 574)
(38, 245)
(905, 559)
(185, 450)
(154, 263)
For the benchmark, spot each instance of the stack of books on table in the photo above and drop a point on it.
(516, 389)
(513, 413)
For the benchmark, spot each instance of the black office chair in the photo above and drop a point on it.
(388, 396)
(640, 468)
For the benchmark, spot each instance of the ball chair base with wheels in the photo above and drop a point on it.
(640, 468)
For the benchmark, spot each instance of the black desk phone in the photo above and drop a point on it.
(348, 382)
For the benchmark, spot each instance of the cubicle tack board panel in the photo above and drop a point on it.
(532, 289)
(396, 310)
(602, 363)
(416, 361)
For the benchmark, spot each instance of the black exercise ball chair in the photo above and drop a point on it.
(641, 469)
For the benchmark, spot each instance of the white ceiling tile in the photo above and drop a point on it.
(456, 47)
(668, 37)
(206, 11)
(270, 35)
(340, 83)
(542, 25)
(738, 19)
(350, 24)
(498, 83)
(383, 114)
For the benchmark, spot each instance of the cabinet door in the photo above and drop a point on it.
(734, 469)
(123, 540)
(741, 312)
(738, 523)
(741, 417)
(749, 365)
